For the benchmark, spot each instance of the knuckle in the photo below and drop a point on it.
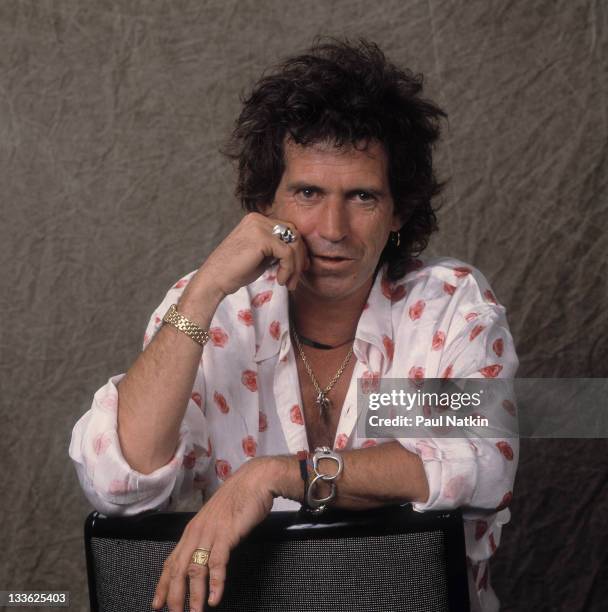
(195, 571)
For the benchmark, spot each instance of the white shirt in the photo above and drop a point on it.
(440, 320)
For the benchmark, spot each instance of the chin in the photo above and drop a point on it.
(331, 287)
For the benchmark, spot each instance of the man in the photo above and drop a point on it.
(315, 288)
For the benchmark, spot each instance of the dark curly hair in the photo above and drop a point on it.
(347, 94)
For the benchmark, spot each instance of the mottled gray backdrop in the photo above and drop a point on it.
(111, 116)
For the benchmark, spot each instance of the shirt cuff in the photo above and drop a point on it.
(107, 479)
(450, 466)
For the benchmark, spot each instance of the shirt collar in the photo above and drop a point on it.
(271, 317)
(376, 324)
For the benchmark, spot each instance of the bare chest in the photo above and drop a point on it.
(322, 431)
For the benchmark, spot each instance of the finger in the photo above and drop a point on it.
(302, 263)
(287, 264)
(162, 587)
(197, 576)
(177, 587)
(217, 572)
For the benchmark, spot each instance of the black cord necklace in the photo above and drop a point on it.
(319, 345)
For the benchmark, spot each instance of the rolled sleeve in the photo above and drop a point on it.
(108, 481)
(474, 471)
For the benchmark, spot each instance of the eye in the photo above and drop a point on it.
(365, 197)
(307, 193)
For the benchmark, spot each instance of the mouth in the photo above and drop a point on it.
(332, 260)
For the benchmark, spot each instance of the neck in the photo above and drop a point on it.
(329, 322)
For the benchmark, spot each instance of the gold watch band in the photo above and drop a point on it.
(190, 329)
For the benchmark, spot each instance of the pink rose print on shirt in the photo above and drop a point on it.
(475, 568)
(263, 422)
(416, 373)
(189, 460)
(392, 292)
(489, 296)
(491, 371)
(250, 379)
(146, 339)
(221, 403)
(119, 487)
(461, 271)
(223, 469)
(389, 347)
(269, 277)
(447, 373)
(476, 331)
(425, 450)
(454, 487)
(509, 406)
(261, 298)
(101, 443)
(218, 337)
(370, 382)
(506, 501)
(498, 346)
(182, 282)
(209, 448)
(245, 317)
(369, 443)
(506, 450)
(470, 316)
(157, 320)
(249, 446)
(438, 340)
(480, 529)
(295, 415)
(416, 310)
(275, 329)
(449, 289)
(197, 399)
(109, 401)
(341, 441)
(492, 543)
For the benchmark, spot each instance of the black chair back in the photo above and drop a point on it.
(380, 560)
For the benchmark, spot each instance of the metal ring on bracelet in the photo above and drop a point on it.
(284, 233)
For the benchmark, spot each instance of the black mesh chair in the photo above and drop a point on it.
(380, 560)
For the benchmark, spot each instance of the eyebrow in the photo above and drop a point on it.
(297, 185)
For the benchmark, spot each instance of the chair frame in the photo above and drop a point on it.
(281, 525)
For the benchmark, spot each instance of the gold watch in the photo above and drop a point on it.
(198, 334)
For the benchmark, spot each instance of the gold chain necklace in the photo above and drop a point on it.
(322, 401)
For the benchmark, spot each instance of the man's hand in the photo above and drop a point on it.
(249, 249)
(240, 504)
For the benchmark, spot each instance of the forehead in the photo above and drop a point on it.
(324, 160)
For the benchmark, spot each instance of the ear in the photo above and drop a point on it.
(398, 221)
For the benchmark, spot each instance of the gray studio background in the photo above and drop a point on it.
(112, 187)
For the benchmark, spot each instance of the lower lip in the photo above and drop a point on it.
(332, 263)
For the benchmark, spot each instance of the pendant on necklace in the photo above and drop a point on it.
(323, 402)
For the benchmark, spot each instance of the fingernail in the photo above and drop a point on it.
(211, 596)
(155, 603)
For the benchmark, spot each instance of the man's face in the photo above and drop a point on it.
(339, 200)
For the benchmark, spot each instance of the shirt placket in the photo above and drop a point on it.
(286, 388)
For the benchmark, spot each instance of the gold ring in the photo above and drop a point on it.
(201, 556)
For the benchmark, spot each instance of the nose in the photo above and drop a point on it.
(332, 223)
